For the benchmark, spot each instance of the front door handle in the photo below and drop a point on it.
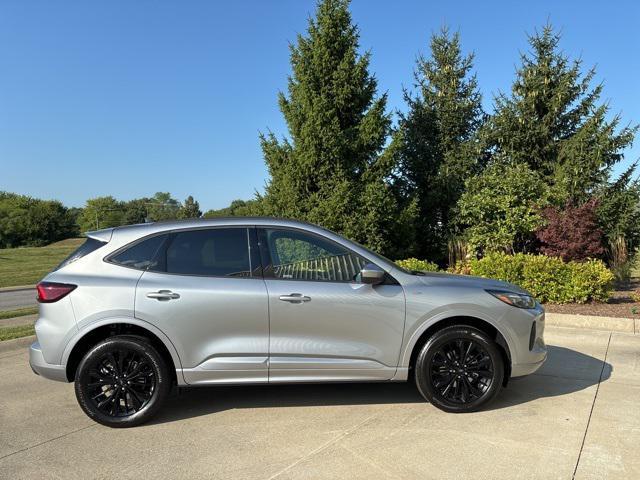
(163, 295)
(295, 298)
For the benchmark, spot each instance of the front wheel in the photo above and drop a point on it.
(459, 369)
(122, 381)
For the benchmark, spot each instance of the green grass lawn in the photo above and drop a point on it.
(26, 266)
(18, 312)
(9, 333)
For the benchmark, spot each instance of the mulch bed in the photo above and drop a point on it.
(620, 305)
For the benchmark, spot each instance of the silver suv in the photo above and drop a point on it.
(140, 308)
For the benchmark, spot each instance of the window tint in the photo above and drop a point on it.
(217, 252)
(143, 255)
(300, 256)
(90, 245)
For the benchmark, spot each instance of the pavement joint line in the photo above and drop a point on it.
(47, 441)
(593, 404)
(370, 462)
(324, 446)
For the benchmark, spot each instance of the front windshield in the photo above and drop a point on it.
(382, 257)
(388, 260)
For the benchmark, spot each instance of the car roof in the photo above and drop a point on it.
(128, 233)
(166, 225)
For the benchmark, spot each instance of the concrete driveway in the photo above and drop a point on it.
(578, 417)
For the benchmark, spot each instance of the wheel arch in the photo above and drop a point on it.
(87, 338)
(471, 321)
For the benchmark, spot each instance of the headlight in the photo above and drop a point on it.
(514, 299)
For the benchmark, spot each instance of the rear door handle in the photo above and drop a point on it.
(163, 295)
(295, 298)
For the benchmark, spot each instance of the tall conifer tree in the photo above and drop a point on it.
(437, 150)
(555, 122)
(330, 170)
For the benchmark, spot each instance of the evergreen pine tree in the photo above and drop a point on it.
(330, 170)
(437, 147)
(190, 209)
(553, 121)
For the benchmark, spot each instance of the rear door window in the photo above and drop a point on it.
(143, 255)
(215, 252)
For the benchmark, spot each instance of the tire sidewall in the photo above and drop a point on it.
(446, 335)
(133, 343)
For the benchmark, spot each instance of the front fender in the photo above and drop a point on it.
(422, 324)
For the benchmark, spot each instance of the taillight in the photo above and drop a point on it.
(49, 292)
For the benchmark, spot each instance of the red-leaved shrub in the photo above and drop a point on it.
(571, 233)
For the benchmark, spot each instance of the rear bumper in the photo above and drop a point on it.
(44, 369)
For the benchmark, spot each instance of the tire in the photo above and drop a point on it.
(125, 369)
(465, 386)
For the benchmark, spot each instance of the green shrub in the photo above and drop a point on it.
(549, 279)
(591, 281)
(419, 265)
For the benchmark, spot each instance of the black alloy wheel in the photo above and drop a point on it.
(122, 381)
(459, 369)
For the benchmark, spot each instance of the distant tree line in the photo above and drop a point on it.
(26, 221)
(29, 221)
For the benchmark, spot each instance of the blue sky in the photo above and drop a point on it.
(129, 98)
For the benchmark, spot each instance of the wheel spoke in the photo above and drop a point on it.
(465, 359)
(114, 363)
(444, 392)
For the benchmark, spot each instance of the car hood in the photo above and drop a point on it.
(453, 280)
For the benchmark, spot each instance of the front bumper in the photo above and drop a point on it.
(521, 369)
(44, 369)
(534, 355)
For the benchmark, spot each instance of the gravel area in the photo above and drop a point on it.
(620, 305)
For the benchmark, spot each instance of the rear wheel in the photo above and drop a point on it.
(122, 381)
(459, 369)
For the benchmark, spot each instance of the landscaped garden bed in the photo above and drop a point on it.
(620, 304)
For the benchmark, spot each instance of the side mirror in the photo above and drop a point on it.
(371, 274)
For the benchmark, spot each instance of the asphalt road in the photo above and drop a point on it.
(11, 299)
(580, 414)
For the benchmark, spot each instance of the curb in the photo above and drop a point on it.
(17, 288)
(593, 322)
(16, 343)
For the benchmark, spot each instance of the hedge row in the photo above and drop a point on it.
(412, 264)
(549, 279)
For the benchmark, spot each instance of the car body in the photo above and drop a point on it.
(261, 300)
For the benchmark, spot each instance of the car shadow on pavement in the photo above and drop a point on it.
(566, 371)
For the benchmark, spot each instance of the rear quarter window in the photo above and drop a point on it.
(89, 246)
(141, 255)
